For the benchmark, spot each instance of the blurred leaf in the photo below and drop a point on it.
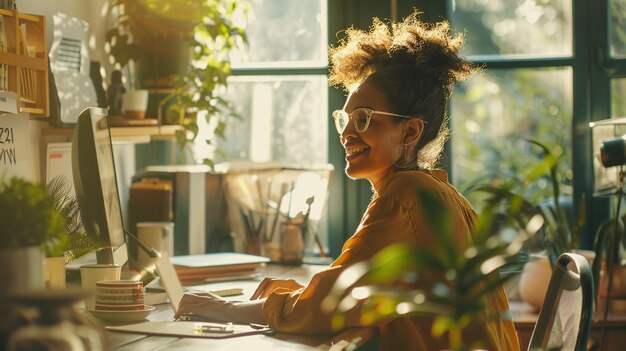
(448, 285)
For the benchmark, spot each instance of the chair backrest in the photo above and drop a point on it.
(565, 318)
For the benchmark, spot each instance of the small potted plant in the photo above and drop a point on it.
(74, 243)
(30, 225)
(560, 232)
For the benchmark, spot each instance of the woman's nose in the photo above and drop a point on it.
(349, 130)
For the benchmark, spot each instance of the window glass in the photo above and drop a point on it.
(618, 97)
(283, 119)
(617, 28)
(493, 114)
(285, 33)
(513, 28)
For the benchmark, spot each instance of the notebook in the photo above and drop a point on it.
(220, 266)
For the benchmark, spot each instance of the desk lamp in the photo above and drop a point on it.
(612, 156)
(145, 274)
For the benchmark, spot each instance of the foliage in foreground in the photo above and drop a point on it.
(465, 279)
(28, 215)
(75, 242)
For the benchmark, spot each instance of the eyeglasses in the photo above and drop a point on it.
(361, 118)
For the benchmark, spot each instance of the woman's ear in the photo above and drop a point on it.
(413, 131)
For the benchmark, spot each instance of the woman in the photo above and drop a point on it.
(393, 127)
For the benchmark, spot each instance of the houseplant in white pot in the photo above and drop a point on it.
(30, 225)
(560, 232)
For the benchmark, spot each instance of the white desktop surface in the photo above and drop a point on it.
(345, 340)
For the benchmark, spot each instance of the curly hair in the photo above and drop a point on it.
(415, 64)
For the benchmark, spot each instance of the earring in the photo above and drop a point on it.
(401, 163)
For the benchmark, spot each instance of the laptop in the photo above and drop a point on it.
(173, 286)
(169, 280)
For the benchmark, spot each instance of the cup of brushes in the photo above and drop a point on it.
(290, 233)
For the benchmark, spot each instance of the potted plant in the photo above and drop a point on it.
(561, 230)
(31, 225)
(74, 243)
(181, 47)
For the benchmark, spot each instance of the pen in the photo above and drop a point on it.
(258, 326)
(214, 328)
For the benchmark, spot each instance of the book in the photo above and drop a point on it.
(200, 269)
(119, 121)
(4, 69)
(155, 298)
(223, 260)
(218, 269)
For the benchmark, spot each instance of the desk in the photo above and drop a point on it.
(525, 318)
(346, 340)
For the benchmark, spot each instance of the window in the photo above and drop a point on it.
(618, 97)
(279, 86)
(553, 66)
(617, 28)
(522, 95)
(617, 32)
(507, 29)
(497, 111)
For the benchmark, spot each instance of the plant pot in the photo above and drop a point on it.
(536, 276)
(163, 60)
(618, 286)
(22, 269)
(534, 280)
(54, 272)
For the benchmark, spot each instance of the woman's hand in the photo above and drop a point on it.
(206, 305)
(270, 284)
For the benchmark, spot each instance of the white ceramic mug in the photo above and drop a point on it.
(135, 103)
(157, 235)
(90, 274)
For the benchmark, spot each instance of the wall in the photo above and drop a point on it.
(92, 11)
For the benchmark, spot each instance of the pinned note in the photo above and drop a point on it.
(14, 147)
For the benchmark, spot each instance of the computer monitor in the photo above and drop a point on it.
(95, 183)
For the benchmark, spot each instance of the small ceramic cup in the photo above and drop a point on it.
(90, 274)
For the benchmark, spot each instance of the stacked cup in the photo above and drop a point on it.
(119, 295)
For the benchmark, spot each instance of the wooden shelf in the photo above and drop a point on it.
(24, 60)
(124, 134)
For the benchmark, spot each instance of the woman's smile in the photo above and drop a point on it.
(355, 150)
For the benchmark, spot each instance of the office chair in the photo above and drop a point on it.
(565, 318)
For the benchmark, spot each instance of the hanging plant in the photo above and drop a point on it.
(209, 34)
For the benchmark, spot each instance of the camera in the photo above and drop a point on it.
(613, 152)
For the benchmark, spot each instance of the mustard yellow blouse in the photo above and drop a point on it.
(393, 216)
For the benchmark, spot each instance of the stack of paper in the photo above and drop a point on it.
(223, 266)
